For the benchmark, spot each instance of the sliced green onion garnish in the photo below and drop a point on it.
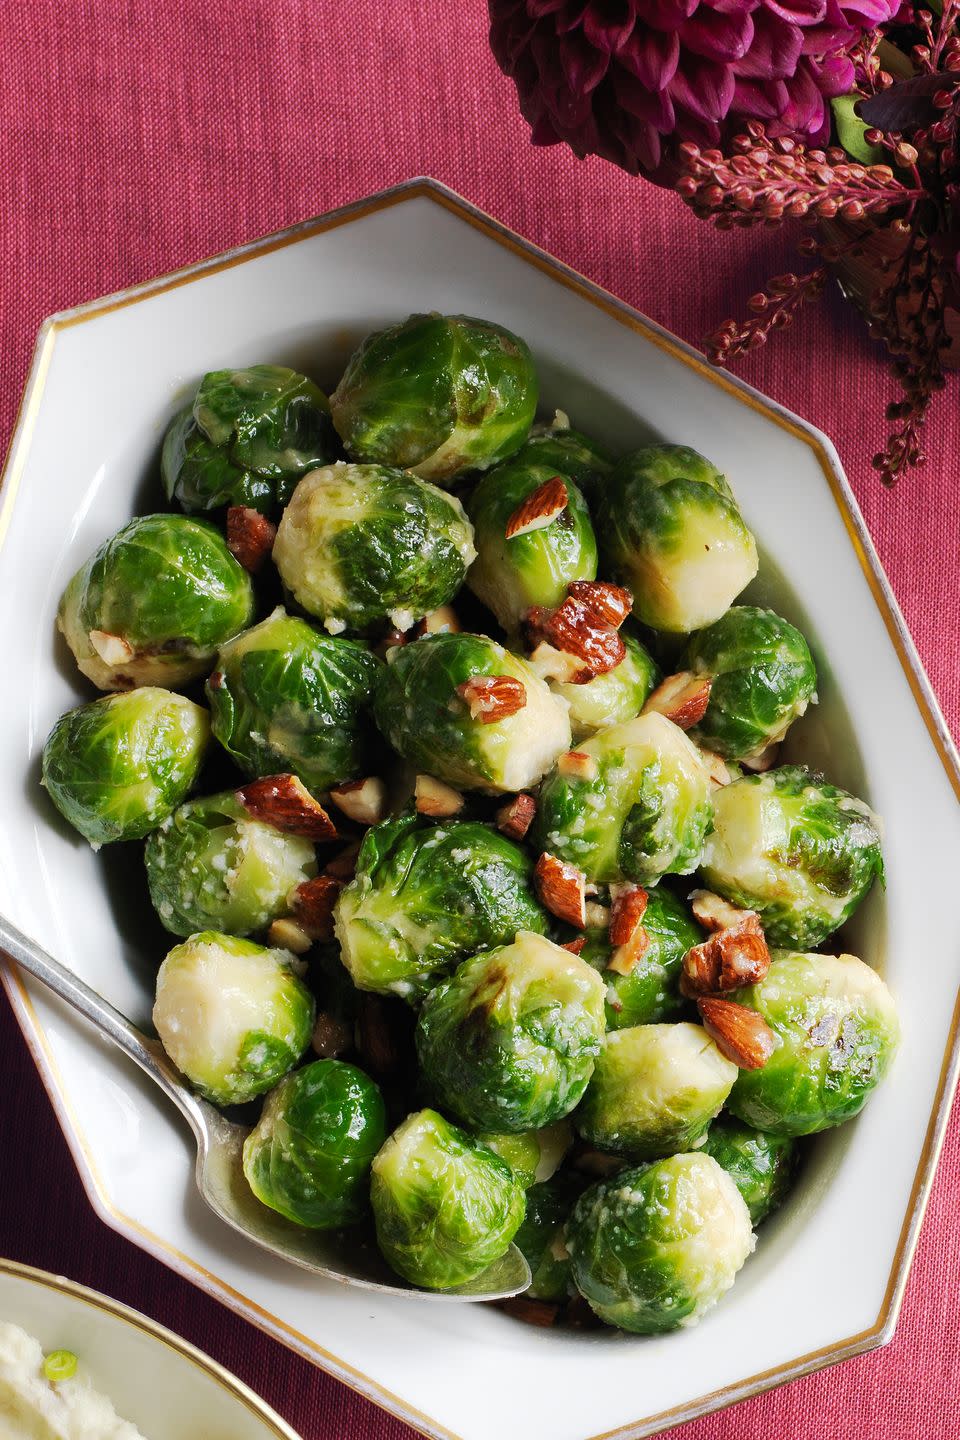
(60, 1365)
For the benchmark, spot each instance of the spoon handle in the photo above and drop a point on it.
(148, 1054)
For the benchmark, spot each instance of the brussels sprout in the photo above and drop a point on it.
(644, 813)
(534, 568)
(508, 1043)
(651, 990)
(837, 1031)
(246, 439)
(233, 1016)
(570, 453)
(540, 1238)
(655, 1247)
(309, 1156)
(426, 895)
(210, 864)
(436, 394)
(763, 679)
(444, 1205)
(800, 852)
(360, 543)
(614, 697)
(287, 699)
(670, 530)
(760, 1165)
(654, 1091)
(153, 603)
(419, 710)
(116, 767)
(533, 1155)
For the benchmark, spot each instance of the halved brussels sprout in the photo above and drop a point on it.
(800, 852)
(644, 812)
(246, 439)
(570, 452)
(436, 394)
(614, 697)
(533, 1155)
(284, 698)
(651, 991)
(540, 1238)
(309, 1156)
(670, 530)
(654, 1091)
(233, 1016)
(837, 1032)
(760, 1165)
(420, 710)
(426, 895)
(509, 1042)
(763, 679)
(536, 567)
(153, 603)
(119, 766)
(359, 544)
(445, 1206)
(210, 865)
(656, 1247)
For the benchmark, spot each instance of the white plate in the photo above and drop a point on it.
(158, 1382)
(828, 1276)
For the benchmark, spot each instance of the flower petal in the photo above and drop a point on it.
(759, 99)
(718, 37)
(704, 88)
(775, 51)
(667, 14)
(654, 106)
(798, 12)
(608, 25)
(651, 55)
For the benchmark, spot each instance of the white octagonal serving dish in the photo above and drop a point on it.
(829, 1272)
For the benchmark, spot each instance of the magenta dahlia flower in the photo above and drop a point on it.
(629, 79)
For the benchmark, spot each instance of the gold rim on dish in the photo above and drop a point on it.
(428, 189)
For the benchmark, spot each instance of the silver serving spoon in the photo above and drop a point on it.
(343, 1256)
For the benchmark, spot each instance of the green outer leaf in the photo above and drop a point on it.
(426, 896)
(571, 453)
(309, 1156)
(651, 991)
(612, 698)
(508, 1043)
(119, 766)
(289, 699)
(851, 130)
(760, 1165)
(540, 1237)
(436, 394)
(445, 1206)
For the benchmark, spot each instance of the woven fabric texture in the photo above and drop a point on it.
(136, 137)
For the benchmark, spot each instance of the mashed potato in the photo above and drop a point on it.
(31, 1408)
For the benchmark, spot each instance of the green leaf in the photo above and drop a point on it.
(851, 130)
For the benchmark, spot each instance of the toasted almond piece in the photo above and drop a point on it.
(626, 912)
(626, 957)
(560, 887)
(683, 698)
(516, 816)
(493, 697)
(331, 1037)
(543, 1313)
(585, 626)
(609, 603)
(441, 621)
(734, 956)
(343, 865)
(764, 759)
(250, 536)
(574, 946)
(112, 649)
(285, 802)
(432, 797)
(363, 801)
(740, 1033)
(288, 935)
(312, 904)
(717, 768)
(539, 509)
(376, 1039)
(598, 916)
(391, 641)
(713, 912)
(578, 765)
(549, 663)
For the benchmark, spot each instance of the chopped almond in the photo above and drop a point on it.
(560, 887)
(734, 956)
(764, 759)
(432, 797)
(584, 626)
(112, 649)
(578, 765)
(739, 1033)
(516, 816)
(717, 768)
(312, 904)
(609, 603)
(288, 935)
(442, 621)
(713, 912)
(626, 912)
(331, 1037)
(552, 664)
(627, 957)
(391, 641)
(343, 865)
(285, 802)
(683, 698)
(574, 946)
(250, 536)
(598, 916)
(539, 509)
(363, 801)
(493, 697)
(376, 1039)
(542, 1313)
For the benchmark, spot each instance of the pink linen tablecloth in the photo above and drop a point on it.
(138, 136)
